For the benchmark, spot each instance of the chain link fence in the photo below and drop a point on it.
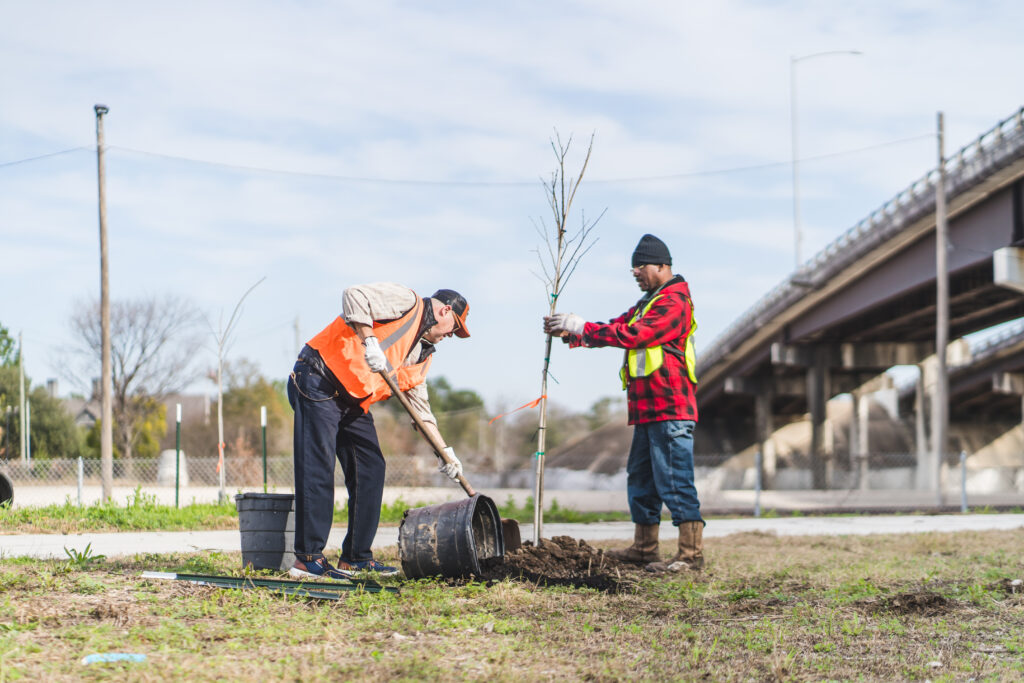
(895, 477)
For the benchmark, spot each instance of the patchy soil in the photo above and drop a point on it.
(565, 561)
(922, 602)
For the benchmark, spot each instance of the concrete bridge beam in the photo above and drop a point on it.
(852, 355)
(1010, 383)
(1008, 268)
(883, 355)
(754, 386)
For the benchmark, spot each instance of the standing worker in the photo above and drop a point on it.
(383, 326)
(658, 376)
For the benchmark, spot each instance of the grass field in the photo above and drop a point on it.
(943, 607)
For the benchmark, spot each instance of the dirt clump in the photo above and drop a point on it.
(564, 561)
(919, 602)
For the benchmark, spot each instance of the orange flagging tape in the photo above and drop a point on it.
(532, 404)
(220, 456)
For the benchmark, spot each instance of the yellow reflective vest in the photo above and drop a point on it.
(643, 362)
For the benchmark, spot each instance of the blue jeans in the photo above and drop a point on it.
(660, 471)
(329, 427)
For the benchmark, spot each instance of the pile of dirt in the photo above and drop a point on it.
(564, 561)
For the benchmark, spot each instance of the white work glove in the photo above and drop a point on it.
(564, 322)
(453, 469)
(375, 358)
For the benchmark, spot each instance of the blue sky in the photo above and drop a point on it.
(326, 144)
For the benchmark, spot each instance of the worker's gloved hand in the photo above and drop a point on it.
(560, 323)
(375, 357)
(452, 469)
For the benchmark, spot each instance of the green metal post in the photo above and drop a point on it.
(177, 458)
(263, 424)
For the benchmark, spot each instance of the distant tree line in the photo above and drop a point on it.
(156, 346)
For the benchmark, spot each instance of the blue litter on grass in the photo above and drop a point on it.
(113, 657)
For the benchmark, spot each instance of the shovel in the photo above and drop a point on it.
(509, 527)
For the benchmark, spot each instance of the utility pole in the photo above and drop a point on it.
(107, 411)
(298, 339)
(22, 423)
(940, 399)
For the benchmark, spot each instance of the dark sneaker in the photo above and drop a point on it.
(367, 566)
(319, 568)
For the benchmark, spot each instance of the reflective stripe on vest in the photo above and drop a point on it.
(343, 352)
(644, 362)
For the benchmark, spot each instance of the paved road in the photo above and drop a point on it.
(130, 543)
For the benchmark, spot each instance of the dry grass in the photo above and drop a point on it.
(906, 607)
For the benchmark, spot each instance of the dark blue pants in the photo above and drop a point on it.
(328, 427)
(660, 471)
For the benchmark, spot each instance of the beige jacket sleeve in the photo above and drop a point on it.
(418, 398)
(376, 301)
(379, 301)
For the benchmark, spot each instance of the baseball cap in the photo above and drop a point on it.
(460, 308)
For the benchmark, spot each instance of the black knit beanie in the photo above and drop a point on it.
(651, 250)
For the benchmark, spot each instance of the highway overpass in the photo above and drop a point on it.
(866, 303)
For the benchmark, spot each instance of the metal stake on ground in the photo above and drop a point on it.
(309, 589)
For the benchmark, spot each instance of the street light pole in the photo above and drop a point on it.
(797, 231)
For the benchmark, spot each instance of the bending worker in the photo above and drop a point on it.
(658, 376)
(383, 326)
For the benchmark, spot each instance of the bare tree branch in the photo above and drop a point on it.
(154, 342)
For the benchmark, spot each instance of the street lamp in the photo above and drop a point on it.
(793, 61)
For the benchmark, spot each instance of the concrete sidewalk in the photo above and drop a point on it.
(131, 543)
(716, 501)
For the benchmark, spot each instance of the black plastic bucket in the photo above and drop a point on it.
(6, 490)
(452, 539)
(267, 524)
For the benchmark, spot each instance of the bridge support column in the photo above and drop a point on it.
(922, 476)
(765, 425)
(859, 437)
(817, 394)
(1010, 383)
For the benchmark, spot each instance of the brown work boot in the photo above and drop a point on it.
(690, 555)
(644, 548)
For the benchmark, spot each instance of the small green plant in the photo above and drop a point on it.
(742, 594)
(698, 653)
(852, 627)
(141, 499)
(82, 558)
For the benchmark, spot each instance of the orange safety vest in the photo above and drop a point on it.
(342, 351)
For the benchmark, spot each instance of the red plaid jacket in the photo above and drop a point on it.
(667, 393)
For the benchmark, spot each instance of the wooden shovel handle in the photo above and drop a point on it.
(428, 435)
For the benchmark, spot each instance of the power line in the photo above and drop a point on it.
(458, 183)
(468, 183)
(45, 156)
(326, 176)
(760, 167)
